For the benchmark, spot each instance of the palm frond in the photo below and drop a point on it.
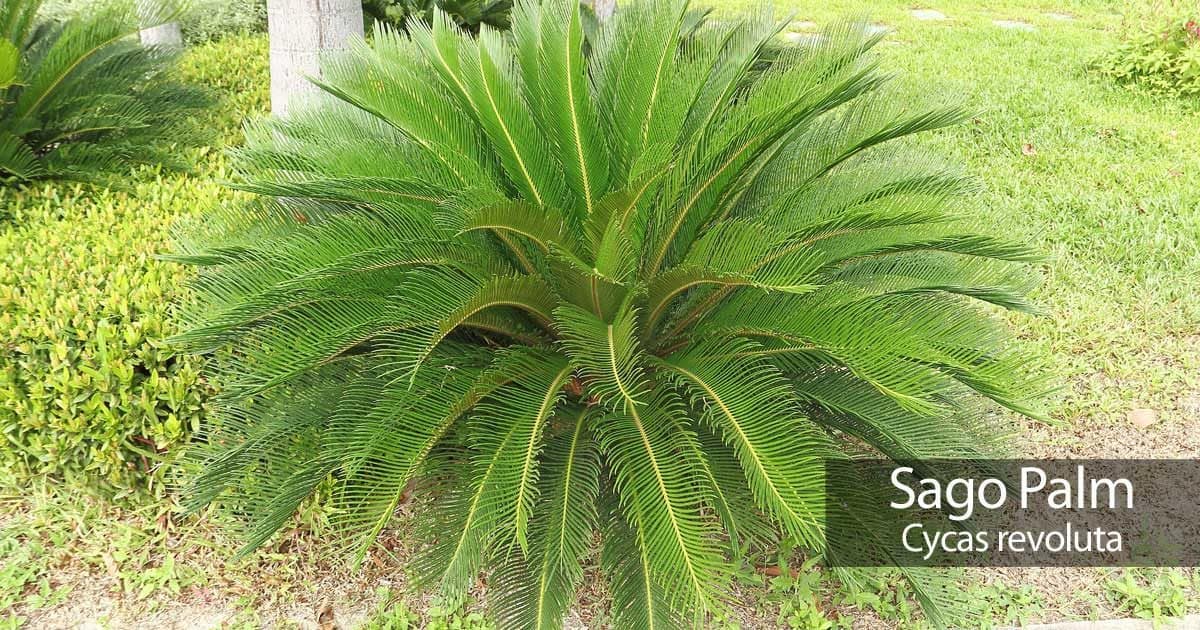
(749, 404)
(543, 586)
(83, 98)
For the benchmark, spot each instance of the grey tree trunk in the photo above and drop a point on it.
(157, 34)
(602, 8)
(301, 32)
(162, 35)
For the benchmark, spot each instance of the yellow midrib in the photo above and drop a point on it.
(666, 244)
(583, 170)
(741, 434)
(662, 486)
(543, 409)
(504, 128)
(562, 530)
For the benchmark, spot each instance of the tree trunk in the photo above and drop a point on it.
(162, 35)
(603, 8)
(157, 33)
(301, 32)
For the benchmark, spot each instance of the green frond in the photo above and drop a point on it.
(390, 80)
(638, 599)
(717, 163)
(17, 159)
(845, 403)
(748, 526)
(493, 506)
(381, 437)
(607, 354)
(588, 287)
(560, 94)
(749, 404)
(613, 221)
(734, 254)
(546, 227)
(637, 85)
(663, 495)
(542, 585)
(436, 303)
(266, 458)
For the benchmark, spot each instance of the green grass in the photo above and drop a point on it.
(1110, 192)
(1112, 196)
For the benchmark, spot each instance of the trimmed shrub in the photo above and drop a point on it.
(1160, 51)
(212, 20)
(236, 69)
(89, 392)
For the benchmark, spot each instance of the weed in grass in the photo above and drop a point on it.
(1156, 594)
(1004, 605)
(799, 595)
(882, 592)
(391, 613)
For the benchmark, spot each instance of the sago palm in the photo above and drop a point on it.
(630, 295)
(469, 15)
(82, 97)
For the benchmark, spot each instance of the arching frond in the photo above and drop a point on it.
(749, 404)
(502, 475)
(561, 94)
(662, 497)
(438, 303)
(638, 598)
(542, 587)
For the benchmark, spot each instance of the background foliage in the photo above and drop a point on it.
(89, 392)
(82, 98)
(1160, 50)
(204, 20)
(469, 15)
(210, 20)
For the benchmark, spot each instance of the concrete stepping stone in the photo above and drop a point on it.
(1189, 622)
(927, 14)
(804, 39)
(1014, 25)
(794, 35)
(801, 25)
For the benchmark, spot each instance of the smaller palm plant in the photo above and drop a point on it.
(468, 15)
(82, 97)
(640, 295)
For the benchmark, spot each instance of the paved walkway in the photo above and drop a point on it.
(1190, 622)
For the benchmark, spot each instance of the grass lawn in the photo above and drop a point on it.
(1104, 180)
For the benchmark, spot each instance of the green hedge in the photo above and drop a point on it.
(89, 391)
(237, 69)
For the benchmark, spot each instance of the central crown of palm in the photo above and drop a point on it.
(641, 283)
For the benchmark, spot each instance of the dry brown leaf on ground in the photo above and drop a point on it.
(1142, 418)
